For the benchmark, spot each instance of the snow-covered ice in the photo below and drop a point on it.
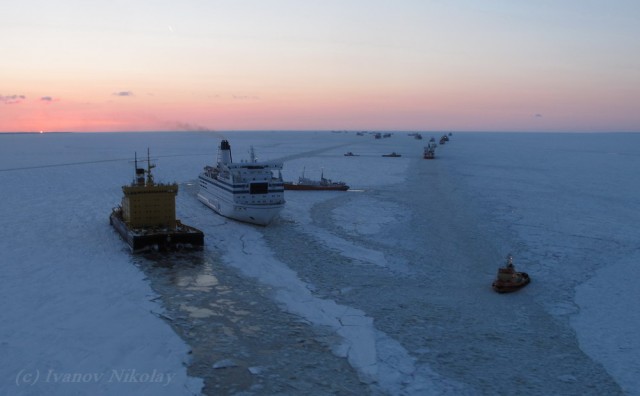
(78, 317)
(394, 276)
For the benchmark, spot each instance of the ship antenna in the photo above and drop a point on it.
(135, 173)
(149, 167)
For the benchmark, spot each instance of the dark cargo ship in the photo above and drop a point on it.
(146, 218)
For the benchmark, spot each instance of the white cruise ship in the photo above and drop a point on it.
(246, 191)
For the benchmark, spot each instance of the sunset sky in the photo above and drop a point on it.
(142, 65)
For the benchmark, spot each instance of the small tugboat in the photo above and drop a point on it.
(350, 154)
(417, 136)
(146, 219)
(394, 154)
(509, 280)
(444, 139)
(315, 185)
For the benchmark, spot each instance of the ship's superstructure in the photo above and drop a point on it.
(248, 191)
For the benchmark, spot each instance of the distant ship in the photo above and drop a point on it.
(430, 149)
(323, 184)
(146, 219)
(394, 154)
(247, 191)
(350, 154)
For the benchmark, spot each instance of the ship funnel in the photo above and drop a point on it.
(224, 155)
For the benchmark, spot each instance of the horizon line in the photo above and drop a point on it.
(309, 130)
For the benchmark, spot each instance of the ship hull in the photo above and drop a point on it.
(300, 187)
(225, 206)
(520, 280)
(183, 237)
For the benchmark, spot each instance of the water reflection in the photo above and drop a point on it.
(196, 312)
(229, 319)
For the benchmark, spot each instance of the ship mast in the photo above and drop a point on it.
(138, 178)
(149, 167)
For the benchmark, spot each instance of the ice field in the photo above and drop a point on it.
(383, 289)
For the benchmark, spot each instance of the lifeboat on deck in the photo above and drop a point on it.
(510, 280)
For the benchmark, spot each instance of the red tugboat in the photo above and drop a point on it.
(509, 280)
(323, 184)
